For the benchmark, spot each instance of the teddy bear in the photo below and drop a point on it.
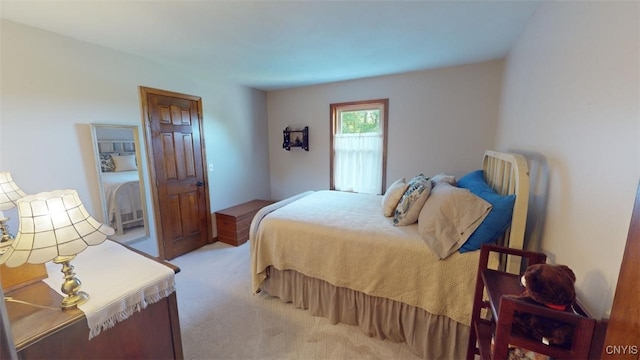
(551, 286)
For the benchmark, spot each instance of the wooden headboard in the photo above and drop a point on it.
(116, 146)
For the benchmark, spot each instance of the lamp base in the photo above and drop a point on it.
(71, 285)
(72, 301)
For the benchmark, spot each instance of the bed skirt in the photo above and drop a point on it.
(428, 336)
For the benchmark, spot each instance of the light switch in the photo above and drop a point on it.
(210, 166)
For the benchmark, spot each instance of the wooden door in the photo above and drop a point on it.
(175, 148)
(623, 331)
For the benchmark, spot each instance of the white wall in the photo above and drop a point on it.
(440, 120)
(571, 93)
(53, 87)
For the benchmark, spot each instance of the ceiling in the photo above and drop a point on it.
(283, 44)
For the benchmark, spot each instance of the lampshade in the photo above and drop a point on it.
(52, 224)
(9, 191)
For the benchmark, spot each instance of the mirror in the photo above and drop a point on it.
(116, 149)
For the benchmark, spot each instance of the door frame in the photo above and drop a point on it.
(148, 143)
(621, 340)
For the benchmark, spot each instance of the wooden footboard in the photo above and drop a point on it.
(135, 216)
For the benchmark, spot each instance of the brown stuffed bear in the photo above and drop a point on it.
(551, 286)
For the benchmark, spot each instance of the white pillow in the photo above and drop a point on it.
(408, 209)
(392, 196)
(442, 177)
(124, 162)
(449, 217)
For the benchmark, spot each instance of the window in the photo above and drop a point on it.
(359, 146)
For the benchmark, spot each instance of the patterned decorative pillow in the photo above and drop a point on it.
(412, 200)
(106, 163)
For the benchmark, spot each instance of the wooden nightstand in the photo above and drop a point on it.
(498, 285)
(233, 223)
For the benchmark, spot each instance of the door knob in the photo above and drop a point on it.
(199, 183)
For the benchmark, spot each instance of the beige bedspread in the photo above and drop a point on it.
(344, 239)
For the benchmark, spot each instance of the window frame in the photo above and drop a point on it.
(335, 108)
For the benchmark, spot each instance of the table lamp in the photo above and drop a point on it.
(55, 226)
(9, 194)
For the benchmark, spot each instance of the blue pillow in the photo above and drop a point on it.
(498, 219)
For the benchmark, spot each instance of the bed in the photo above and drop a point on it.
(124, 204)
(121, 184)
(337, 255)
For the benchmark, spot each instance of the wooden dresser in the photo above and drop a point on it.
(233, 223)
(46, 333)
(40, 329)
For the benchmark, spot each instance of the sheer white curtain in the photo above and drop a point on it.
(358, 162)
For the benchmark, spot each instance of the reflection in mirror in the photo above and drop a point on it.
(121, 189)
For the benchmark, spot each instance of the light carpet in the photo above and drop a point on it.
(221, 319)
